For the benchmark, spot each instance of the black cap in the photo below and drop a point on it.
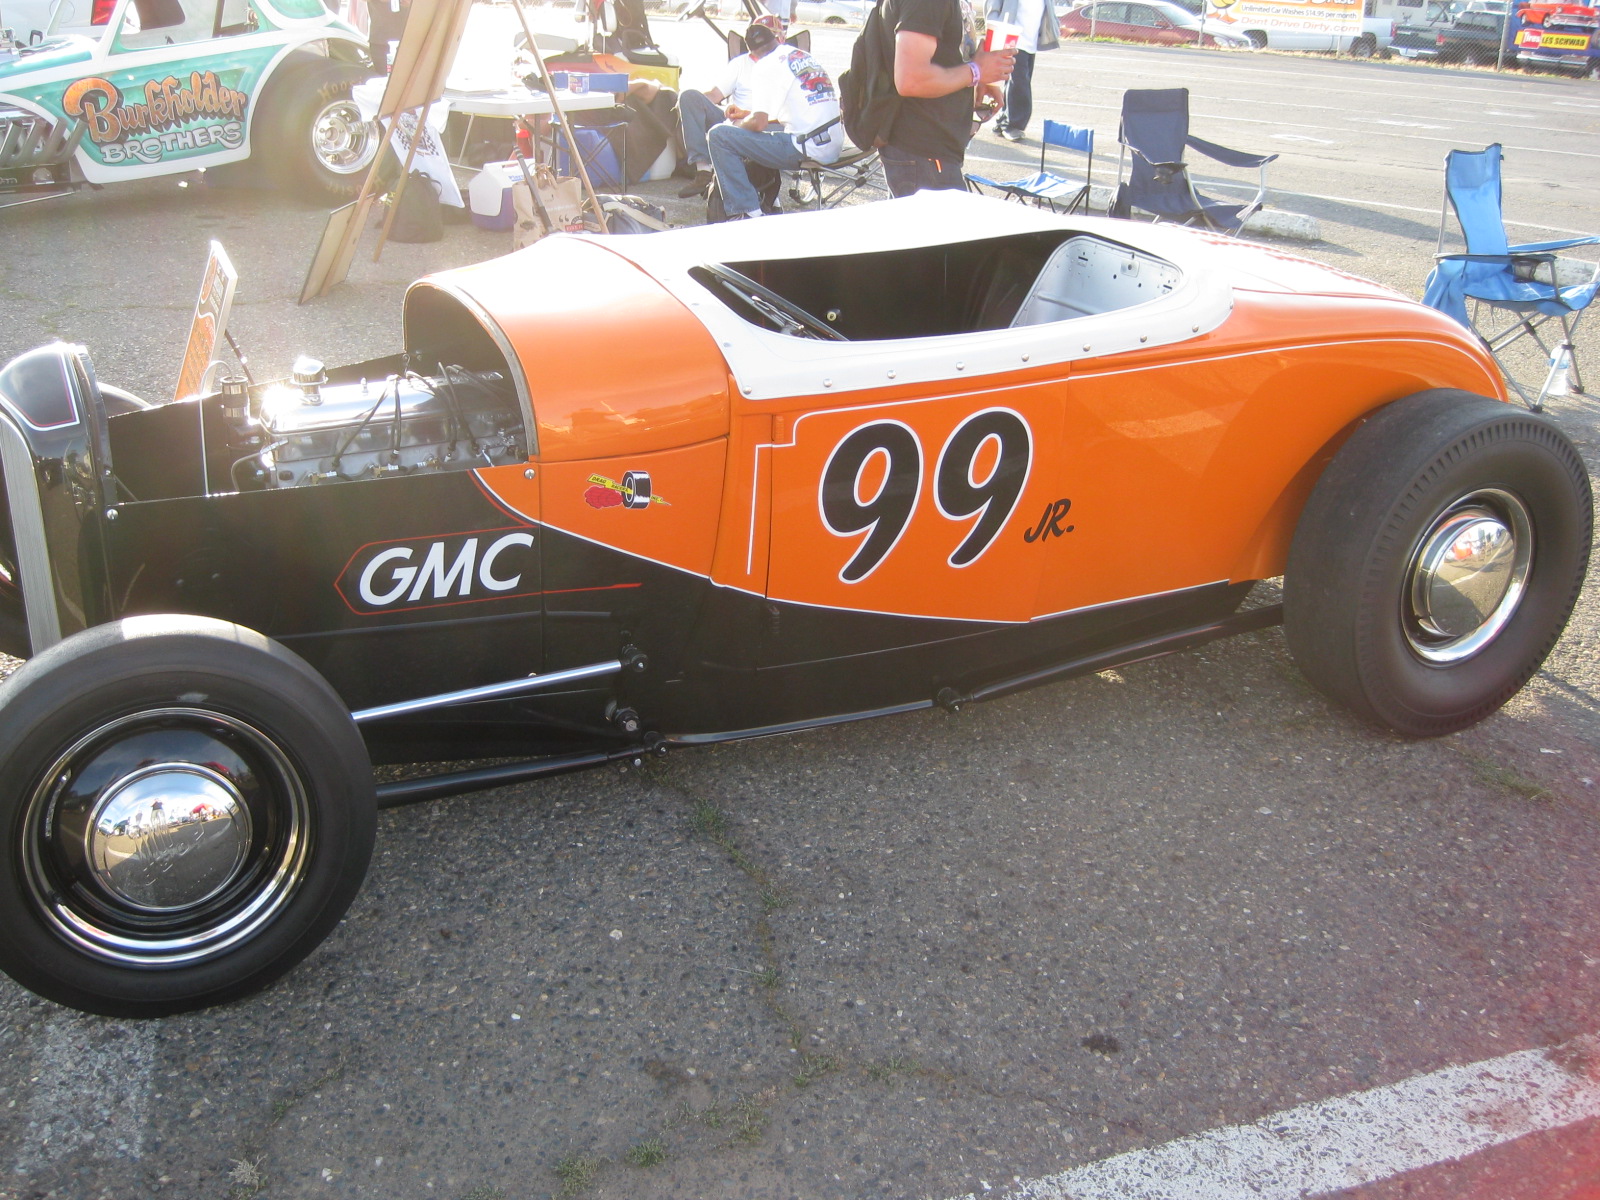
(758, 38)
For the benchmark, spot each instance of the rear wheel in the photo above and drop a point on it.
(187, 809)
(1257, 38)
(1437, 561)
(322, 145)
(1364, 47)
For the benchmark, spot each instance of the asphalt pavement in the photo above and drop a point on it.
(914, 958)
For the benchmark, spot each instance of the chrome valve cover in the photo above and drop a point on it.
(317, 432)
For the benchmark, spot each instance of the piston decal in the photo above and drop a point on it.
(633, 492)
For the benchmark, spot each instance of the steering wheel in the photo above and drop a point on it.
(788, 316)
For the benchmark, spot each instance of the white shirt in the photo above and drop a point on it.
(792, 88)
(737, 81)
(1030, 14)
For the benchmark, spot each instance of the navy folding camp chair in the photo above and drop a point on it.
(1501, 280)
(1153, 135)
(1046, 188)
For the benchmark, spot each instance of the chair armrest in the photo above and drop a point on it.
(1503, 259)
(1230, 158)
(1565, 244)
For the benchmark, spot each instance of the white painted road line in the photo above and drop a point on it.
(1350, 1140)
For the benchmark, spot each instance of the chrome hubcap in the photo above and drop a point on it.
(342, 141)
(1468, 575)
(166, 837)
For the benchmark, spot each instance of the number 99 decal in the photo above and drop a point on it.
(982, 471)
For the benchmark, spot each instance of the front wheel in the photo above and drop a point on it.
(1437, 561)
(187, 809)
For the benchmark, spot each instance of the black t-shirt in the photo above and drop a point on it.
(940, 127)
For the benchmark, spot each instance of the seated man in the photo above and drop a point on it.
(790, 88)
(699, 111)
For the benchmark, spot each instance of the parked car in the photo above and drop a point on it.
(713, 484)
(832, 12)
(1560, 37)
(1156, 21)
(1472, 36)
(33, 20)
(175, 85)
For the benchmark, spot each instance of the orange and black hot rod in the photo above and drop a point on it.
(621, 495)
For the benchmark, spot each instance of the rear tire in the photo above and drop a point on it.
(1437, 561)
(1257, 38)
(187, 811)
(1364, 47)
(322, 146)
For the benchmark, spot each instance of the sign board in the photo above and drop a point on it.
(210, 322)
(1328, 18)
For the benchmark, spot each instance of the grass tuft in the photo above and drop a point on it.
(813, 1067)
(1492, 773)
(750, 1119)
(576, 1173)
(889, 1069)
(647, 1153)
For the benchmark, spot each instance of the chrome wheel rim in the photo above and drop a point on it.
(1467, 576)
(166, 837)
(342, 142)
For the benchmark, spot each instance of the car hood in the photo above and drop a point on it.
(55, 52)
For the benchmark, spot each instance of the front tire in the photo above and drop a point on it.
(1437, 561)
(187, 809)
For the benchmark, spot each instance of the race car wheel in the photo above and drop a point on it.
(187, 808)
(320, 139)
(1437, 561)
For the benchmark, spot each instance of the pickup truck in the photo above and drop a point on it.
(1471, 37)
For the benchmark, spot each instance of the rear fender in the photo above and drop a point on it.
(58, 489)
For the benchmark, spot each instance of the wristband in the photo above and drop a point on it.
(976, 73)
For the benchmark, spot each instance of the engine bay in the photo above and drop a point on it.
(380, 419)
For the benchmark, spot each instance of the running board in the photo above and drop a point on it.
(1246, 621)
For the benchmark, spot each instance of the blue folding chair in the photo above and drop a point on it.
(1522, 282)
(1153, 135)
(1046, 188)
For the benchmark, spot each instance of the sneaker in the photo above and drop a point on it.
(698, 186)
(744, 216)
(1010, 135)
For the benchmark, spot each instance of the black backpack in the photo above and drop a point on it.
(868, 103)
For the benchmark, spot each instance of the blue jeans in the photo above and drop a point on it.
(1019, 95)
(697, 115)
(906, 173)
(731, 147)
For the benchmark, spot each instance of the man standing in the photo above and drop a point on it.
(1037, 20)
(699, 111)
(790, 88)
(942, 79)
